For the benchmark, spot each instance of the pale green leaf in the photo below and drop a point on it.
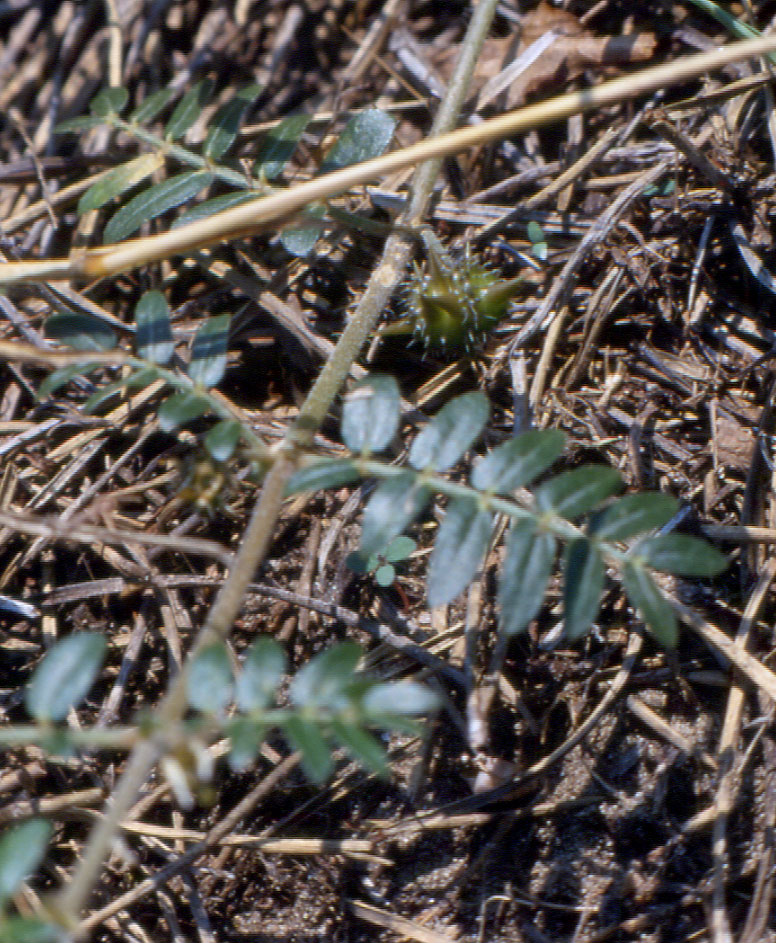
(306, 737)
(574, 492)
(681, 555)
(154, 338)
(22, 848)
(222, 439)
(583, 586)
(651, 604)
(519, 461)
(209, 680)
(635, 514)
(327, 473)
(262, 672)
(109, 101)
(324, 681)
(458, 550)
(181, 408)
(209, 350)
(370, 413)
(527, 567)
(64, 676)
(395, 504)
(450, 433)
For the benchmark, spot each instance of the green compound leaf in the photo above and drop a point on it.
(396, 699)
(634, 514)
(583, 586)
(246, 736)
(222, 439)
(77, 125)
(519, 461)
(22, 848)
(574, 492)
(458, 550)
(209, 681)
(528, 562)
(32, 930)
(154, 339)
(62, 680)
(328, 473)
(651, 604)
(325, 680)
(226, 122)
(117, 181)
(180, 408)
(262, 672)
(362, 746)
(395, 504)
(370, 414)
(280, 143)
(80, 331)
(188, 109)
(450, 433)
(317, 761)
(208, 352)
(366, 135)
(681, 555)
(211, 207)
(109, 101)
(150, 108)
(154, 201)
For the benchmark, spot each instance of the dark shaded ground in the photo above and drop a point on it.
(661, 367)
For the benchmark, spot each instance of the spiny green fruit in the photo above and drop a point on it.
(452, 303)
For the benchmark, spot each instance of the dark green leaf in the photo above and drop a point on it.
(574, 492)
(22, 848)
(650, 604)
(406, 698)
(280, 143)
(450, 433)
(458, 550)
(117, 181)
(188, 109)
(222, 439)
(366, 135)
(681, 555)
(60, 378)
(583, 586)
(62, 680)
(300, 240)
(519, 461)
(150, 108)
(80, 331)
(304, 736)
(538, 240)
(634, 514)
(208, 352)
(370, 413)
(324, 681)
(154, 334)
(226, 122)
(109, 101)
(31, 930)
(102, 394)
(246, 736)
(394, 505)
(362, 746)
(328, 473)
(385, 575)
(399, 549)
(209, 682)
(262, 671)
(358, 562)
(211, 207)
(528, 562)
(154, 201)
(180, 408)
(76, 125)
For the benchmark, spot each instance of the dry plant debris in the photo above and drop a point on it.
(646, 336)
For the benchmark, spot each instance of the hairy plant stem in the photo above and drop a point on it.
(256, 539)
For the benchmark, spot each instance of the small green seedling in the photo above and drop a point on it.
(381, 563)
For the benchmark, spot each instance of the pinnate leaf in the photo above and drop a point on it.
(370, 413)
(188, 109)
(208, 352)
(210, 207)
(635, 514)
(154, 334)
(394, 505)
(583, 586)
(154, 201)
(519, 461)
(306, 737)
(180, 408)
(22, 848)
(650, 603)
(366, 135)
(530, 554)
(209, 681)
(148, 109)
(62, 680)
(681, 555)
(118, 180)
(324, 681)
(362, 746)
(109, 101)
(80, 331)
(398, 698)
(575, 492)
(458, 550)
(280, 143)
(328, 473)
(222, 439)
(226, 122)
(450, 433)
